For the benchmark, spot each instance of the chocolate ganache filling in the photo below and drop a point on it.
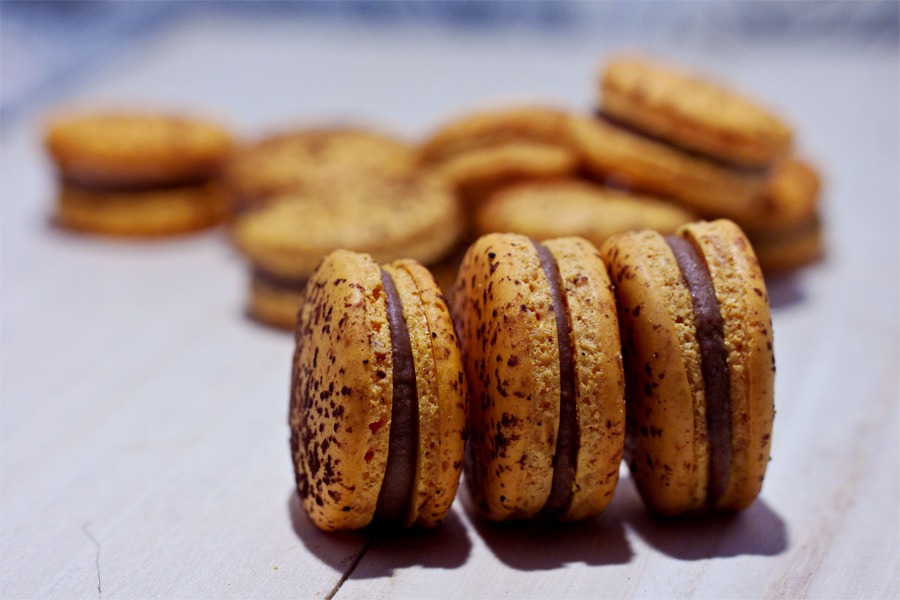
(567, 437)
(403, 439)
(713, 359)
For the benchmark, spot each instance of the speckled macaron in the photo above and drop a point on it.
(411, 216)
(540, 343)
(295, 159)
(699, 365)
(544, 210)
(378, 402)
(691, 111)
(485, 149)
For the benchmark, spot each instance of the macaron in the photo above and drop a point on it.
(283, 239)
(132, 149)
(138, 173)
(544, 210)
(699, 365)
(619, 156)
(378, 396)
(540, 343)
(484, 149)
(295, 159)
(140, 213)
(692, 112)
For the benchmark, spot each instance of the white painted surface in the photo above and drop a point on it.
(143, 437)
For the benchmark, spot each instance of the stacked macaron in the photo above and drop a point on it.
(658, 348)
(518, 170)
(663, 130)
(137, 173)
(303, 194)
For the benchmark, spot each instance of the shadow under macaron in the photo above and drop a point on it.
(756, 531)
(373, 553)
(544, 544)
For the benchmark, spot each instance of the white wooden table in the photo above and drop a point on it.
(143, 437)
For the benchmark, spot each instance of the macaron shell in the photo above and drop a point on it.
(492, 127)
(599, 379)
(743, 302)
(507, 332)
(615, 154)
(665, 447)
(786, 250)
(414, 217)
(339, 437)
(481, 170)
(692, 112)
(545, 210)
(110, 149)
(298, 158)
(146, 213)
(273, 305)
(441, 388)
(790, 198)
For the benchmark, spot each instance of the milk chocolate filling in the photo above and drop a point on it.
(718, 161)
(713, 359)
(567, 437)
(403, 439)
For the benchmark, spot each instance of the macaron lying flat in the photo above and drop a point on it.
(388, 217)
(127, 150)
(540, 342)
(622, 157)
(692, 112)
(137, 173)
(378, 403)
(699, 365)
(545, 210)
(139, 213)
(484, 150)
(298, 158)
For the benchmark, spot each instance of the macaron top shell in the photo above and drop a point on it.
(135, 149)
(297, 158)
(666, 407)
(495, 127)
(416, 217)
(692, 112)
(599, 379)
(341, 392)
(550, 209)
